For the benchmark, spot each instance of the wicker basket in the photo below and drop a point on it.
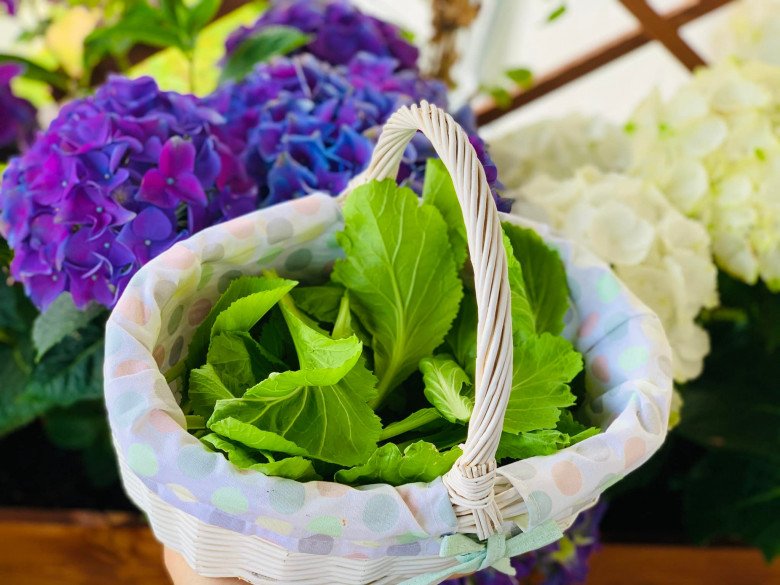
(229, 522)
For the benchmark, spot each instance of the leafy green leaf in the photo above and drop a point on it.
(253, 437)
(60, 320)
(575, 430)
(439, 191)
(296, 468)
(544, 441)
(544, 276)
(401, 276)
(321, 407)
(260, 47)
(420, 461)
(274, 337)
(444, 387)
(523, 320)
(500, 95)
(462, 338)
(239, 361)
(543, 368)
(239, 308)
(414, 421)
(321, 302)
(245, 312)
(206, 388)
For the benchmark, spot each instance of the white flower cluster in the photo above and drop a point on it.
(662, 256)
(714, 150)
(751, 31)
(558, 147)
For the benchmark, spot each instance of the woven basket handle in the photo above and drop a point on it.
(471, 480)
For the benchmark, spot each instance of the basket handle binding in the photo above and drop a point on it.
(471, 480)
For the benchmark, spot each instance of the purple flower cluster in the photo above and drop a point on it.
(339, 31)
(562, 563)
(116, 179)
(17, 115)
(10, 5)
(302, 125)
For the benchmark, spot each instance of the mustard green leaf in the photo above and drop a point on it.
(439, 191)
(239, 361)
(320, 302)
(420, 461)
(544, 276)
(543, 368)
(206, 388)
(401, 277)
(447, 387)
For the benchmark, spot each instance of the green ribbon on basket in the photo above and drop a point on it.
(474, 556)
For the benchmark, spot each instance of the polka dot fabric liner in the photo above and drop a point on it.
(628, 374)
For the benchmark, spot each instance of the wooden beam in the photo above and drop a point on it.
(588, 63)
(664, 31)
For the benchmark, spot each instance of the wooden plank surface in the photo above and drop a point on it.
(89, 548)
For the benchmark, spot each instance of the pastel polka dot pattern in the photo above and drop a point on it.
(195, 462)
(380, 513)
(230, 500)
(287, 497)
(567, 477)
(142, 459)
(154, 321)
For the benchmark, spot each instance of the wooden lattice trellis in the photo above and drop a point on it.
(653, 26)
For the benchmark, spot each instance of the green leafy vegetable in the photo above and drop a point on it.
(543, 368)
(444, 388)
(412, 422)
(401, 276)
(239, 361)
(239, 308)
(323, 406)
(206, 388)
(439, 191)
(420, 461)
(544, 277)
(321, 302)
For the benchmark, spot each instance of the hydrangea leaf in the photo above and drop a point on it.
(239, 361)
(321, 302)
(322, 407)
(439, 191)
(206, 388)
(239, 308)
(420, 461)
(260, 47)
(60, 320)
(446, 387)
(543, 368)
(296, 468)
(544, 276)
(401, 276)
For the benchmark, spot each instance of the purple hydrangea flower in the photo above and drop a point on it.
(339, 31)
(116, 179)
(10, 6)
(302, 125)
(562, 563)
(17, 115)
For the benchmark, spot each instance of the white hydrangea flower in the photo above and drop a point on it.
(751, 31)
(714, 150)
(662, 256)
(558, 147)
